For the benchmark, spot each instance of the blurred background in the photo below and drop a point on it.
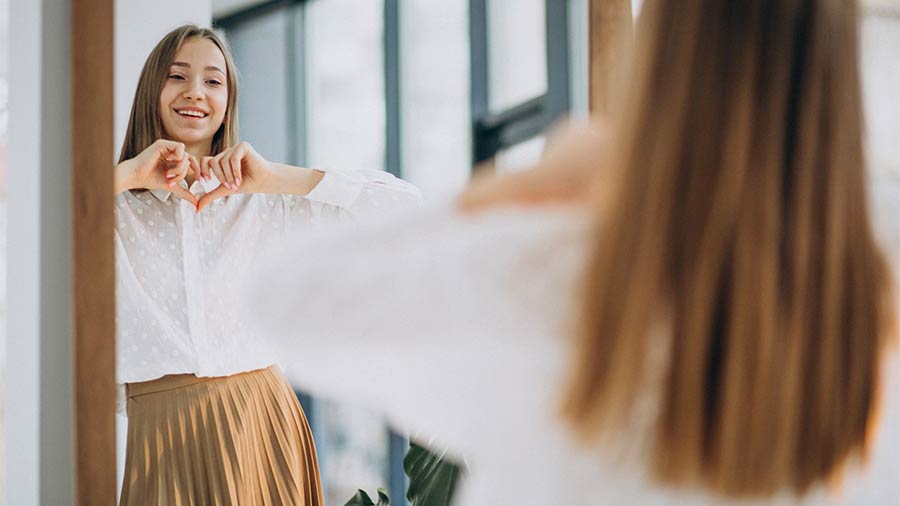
(424, 89)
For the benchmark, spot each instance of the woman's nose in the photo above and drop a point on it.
(194, 91)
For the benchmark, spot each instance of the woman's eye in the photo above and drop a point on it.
(214, 82)
(176, 76)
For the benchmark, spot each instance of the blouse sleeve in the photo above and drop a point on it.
(354, 195)
(422, 315)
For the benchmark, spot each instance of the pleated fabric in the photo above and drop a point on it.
(234, 440)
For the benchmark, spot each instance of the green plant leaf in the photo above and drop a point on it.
(432, 477)
(362, 499)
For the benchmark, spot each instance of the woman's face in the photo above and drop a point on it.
(195, 94)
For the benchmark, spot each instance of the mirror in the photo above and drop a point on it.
(401, 86)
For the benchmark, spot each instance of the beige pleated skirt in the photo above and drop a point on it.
(236, 440)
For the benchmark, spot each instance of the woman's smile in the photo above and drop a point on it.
(191, 113)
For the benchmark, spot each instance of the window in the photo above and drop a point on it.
(420, 88)
(312, 77)
(520, 77)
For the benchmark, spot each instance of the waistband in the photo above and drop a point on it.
(174, 381)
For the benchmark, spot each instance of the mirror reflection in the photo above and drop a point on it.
(345, 111)
(243, 124)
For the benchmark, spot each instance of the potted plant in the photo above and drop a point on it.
(432, 480)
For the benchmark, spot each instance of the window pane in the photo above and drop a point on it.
(521, 156)
(435, 95)
(352, 445)
(517, 51)
(346, 130)
(346, 123)
(260, 53)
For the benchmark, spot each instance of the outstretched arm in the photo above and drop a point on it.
(242, 170)
(445, 323)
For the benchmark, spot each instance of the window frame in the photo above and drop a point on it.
(493, 132)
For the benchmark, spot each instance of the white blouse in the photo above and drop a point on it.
(459, 335)
(177, 271)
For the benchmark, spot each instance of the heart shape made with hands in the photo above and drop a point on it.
(213, 190)
(238, 169)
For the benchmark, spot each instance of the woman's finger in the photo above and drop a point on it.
(194, 166)
(217, 169)
(227, 173)
(206, 168)
(174, 169)
(171, 169)
(170, 150)
(186, 195)
(209, 198)
(180, 171)
(236, 157)
(236, 169)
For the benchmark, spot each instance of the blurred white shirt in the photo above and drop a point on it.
(459, 334)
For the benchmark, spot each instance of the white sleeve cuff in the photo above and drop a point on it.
(337, 188)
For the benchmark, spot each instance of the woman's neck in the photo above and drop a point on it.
(200, 149)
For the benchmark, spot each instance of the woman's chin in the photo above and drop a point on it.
(191, 136)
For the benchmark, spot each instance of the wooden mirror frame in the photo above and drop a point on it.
(92, 58)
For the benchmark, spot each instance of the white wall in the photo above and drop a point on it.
(38, 390)
(140, 24)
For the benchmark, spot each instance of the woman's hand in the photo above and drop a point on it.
(161, 166)
(238, 169)
(571, 171)
(241, 169)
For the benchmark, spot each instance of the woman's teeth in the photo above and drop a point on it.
(194, 114)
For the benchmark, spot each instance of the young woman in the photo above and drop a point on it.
(211, 421)
(713, 324)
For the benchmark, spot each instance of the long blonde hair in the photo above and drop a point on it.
(145, 124)
(739, 224)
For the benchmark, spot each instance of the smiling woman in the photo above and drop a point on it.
(193, 370)
(194, 99)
